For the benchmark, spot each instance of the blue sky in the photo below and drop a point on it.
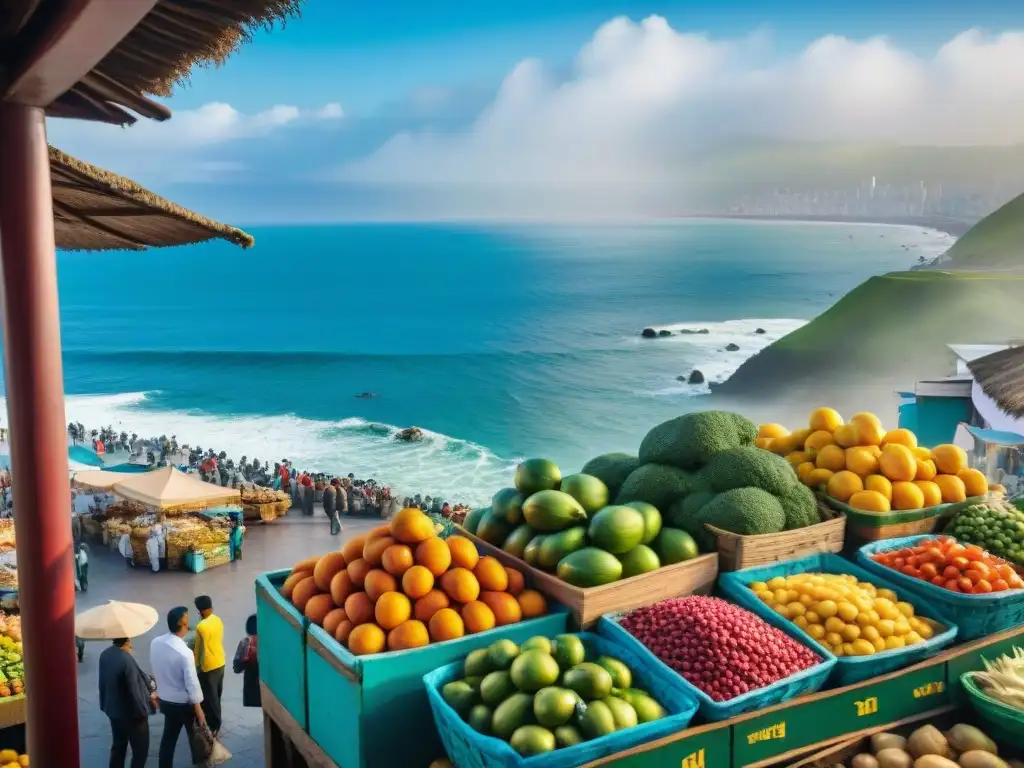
(406, 95)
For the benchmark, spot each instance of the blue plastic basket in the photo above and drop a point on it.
(469, 749)
(974, 615)
(848, 669)
(806, 681)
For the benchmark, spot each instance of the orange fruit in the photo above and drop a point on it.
(303, 591)
(897, 462)
(825, 420)
(516, 582)
(429, 604)
(532, 603)
(818, 477)
(932, 492)
(846, 435)
(342, 632)
(869, 501)
(411, 526)
(433, 554)
(925, 470)
(365, 639)
(975, 482)
(326, 567)
(357, 571)
(373, 552)
(292, 580)
(378, 533)
(880, 484)
(333, 619)
(341, 587)
(906, 495)
(504, 606)
(463, 552)
(309, 564)
(949, 459)
(772, 430)
(842, 485)
(902, 437)
(359, 608)
(817, 441)
(461, 585)
(446, 624)
(317, 608)
(392, 609)
(353, 548)
(397, 559)
(477, 617)
(490, 574)
(831, 457)
(417, 582)
(409, 634)
(952, 487)
(378, 582)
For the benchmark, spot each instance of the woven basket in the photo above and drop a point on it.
(1002, 722)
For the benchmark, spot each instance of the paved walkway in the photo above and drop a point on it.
(267, 547)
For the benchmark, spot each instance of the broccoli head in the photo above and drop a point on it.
(746, 511)
(689, 441)
(612, 469)
(656, 484)
(749, 467)
(800, 506)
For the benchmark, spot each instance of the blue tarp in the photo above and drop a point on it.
(84, 455)
(995, 436)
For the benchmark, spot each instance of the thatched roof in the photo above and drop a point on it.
(172, 39)
(1001, 377)
(96, 210)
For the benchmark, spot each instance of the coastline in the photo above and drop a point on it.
(951, 227)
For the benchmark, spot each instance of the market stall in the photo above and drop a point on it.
(863, 584)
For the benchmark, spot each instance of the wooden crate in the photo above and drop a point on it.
(692, 577)
(12, 711)
(285, 743)
(737, 552)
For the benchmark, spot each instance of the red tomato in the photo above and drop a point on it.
(982, 587)
(951, 572)
(965, 584)
(999, 586)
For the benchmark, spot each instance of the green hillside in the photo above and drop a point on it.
(995, 242)
(890, 330)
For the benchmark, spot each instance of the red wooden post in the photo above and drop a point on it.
(39, 457)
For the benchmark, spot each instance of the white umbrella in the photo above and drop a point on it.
(114, 620)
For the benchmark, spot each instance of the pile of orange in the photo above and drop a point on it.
(401, 586)
(946, 563)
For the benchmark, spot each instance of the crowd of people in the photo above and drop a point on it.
(186, 685)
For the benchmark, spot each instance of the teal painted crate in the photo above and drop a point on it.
(373, 711)
(282, 646)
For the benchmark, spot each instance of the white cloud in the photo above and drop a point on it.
(640, 93)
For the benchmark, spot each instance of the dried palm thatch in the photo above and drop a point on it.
(97, 210)
(1001, 377)
(172, 39)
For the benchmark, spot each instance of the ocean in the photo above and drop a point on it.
(500, 341)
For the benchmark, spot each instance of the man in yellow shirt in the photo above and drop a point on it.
(209, 653)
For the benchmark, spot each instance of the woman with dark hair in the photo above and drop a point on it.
(247, 664)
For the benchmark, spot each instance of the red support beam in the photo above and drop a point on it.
(39, 453)
(75, 39)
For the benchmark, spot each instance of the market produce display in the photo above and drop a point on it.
(945, 562)
(1003, 679)
(963, 746)
(401, 586)
(861, 464)
(722, 649)
(994, 524)
(7, 540)
(259, 494)
(567, 525)
(8, 577)
(545, 695)
(12, 668)
(9, 758)
(850, 617)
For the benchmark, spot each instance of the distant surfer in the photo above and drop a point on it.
(366, 395)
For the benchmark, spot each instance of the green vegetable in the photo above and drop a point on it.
(589, 567)
(616, 529)
(641, 559)
(800, 507)
(749, 467)
(589, 491)
(658, 484)
(537, 475)
(689, 441)
(551, 511)
(612, 469)
(746, 511)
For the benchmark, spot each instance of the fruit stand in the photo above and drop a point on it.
(698, 604)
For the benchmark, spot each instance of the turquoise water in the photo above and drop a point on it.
(501, 341)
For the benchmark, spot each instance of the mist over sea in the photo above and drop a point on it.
(500, 341)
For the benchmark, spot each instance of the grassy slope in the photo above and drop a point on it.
(995, 242)
(891, 329)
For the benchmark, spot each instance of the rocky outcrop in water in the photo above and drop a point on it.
(409, 434)
(649, 333)
(760, 331)
(664, 333)
(732, 348)
(696, 377)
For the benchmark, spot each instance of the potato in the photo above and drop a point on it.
(893, 757)
(882, 741)
(927, 740)
(966, 738)
(980, 758)
(934, 761)
(864, 760)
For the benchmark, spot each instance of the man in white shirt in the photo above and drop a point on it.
(177, 686)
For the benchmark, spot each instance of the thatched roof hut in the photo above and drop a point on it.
(1001, 377)
(96, 210)
(171, 38)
